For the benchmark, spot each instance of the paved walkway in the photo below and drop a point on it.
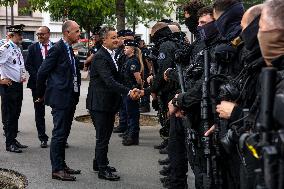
(137, 165)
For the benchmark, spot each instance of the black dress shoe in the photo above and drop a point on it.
(66, 145)
(70, 171)
(43, 144)
(164, 151)
(62, 175)
(164, 161)
(108, 175)
(19, 145)
(130, 141)
(96, 167)
(118, 129)
(162, 145)
(13, 148)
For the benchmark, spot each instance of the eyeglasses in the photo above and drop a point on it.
(41, 34)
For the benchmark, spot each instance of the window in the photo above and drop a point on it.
(23, 8)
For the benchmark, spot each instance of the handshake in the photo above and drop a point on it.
(136, 94)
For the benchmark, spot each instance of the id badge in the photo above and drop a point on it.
(76, 89)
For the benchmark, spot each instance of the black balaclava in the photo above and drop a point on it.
(192, 23)
(229, 23)
(207, 31)
(249, 34)
(161, 34)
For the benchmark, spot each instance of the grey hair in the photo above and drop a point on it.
(275, 12)
(104, 31)
(66, 25)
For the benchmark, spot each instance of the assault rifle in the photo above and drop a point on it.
(265, 126)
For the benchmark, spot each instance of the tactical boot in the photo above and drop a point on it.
(165, 179)
(144, 109)
(166, 184)
(162, 145)
(118, 129)
(165, 171)
(164, 161)
(123, 135)
(130, 141)
(164, 150)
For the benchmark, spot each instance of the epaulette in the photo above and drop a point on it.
(236, 42)
(4, 46)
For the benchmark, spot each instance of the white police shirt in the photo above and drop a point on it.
(12, 62)
(2, 42)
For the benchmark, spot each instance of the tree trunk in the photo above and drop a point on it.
(134, 25)
(120, 14)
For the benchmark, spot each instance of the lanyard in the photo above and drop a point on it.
(71, 57)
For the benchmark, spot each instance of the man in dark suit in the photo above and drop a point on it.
(58, 81)
(104, 99)
(37, 52)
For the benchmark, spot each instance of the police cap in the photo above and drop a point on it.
(129, 42)
(129, 33)
(137, 38)
(123, 33)
(16, 28)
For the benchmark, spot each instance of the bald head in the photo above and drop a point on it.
(250, 15)
(71, 31)
(67, 25)
(272, 15)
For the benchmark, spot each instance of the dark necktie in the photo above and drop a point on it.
(45, 49)
(72, 60)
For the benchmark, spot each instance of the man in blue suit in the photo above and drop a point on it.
(58, 82)
(37, 52)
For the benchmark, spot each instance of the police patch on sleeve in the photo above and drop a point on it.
(132, 67)
(161, 56)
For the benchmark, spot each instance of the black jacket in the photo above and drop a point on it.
(279, 94)
(55, 78)
(166, 59)
(33, 61)
(105, 89)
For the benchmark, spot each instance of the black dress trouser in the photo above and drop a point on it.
(104, 123)
(11, 99)
(39, 117)
(62, 120)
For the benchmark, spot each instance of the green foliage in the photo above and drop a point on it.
(87, 13)
(249, 3)
(7, 2)
(90, 13)
(140, 11)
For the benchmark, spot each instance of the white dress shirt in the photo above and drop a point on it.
(112, 54)
(12, 62)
